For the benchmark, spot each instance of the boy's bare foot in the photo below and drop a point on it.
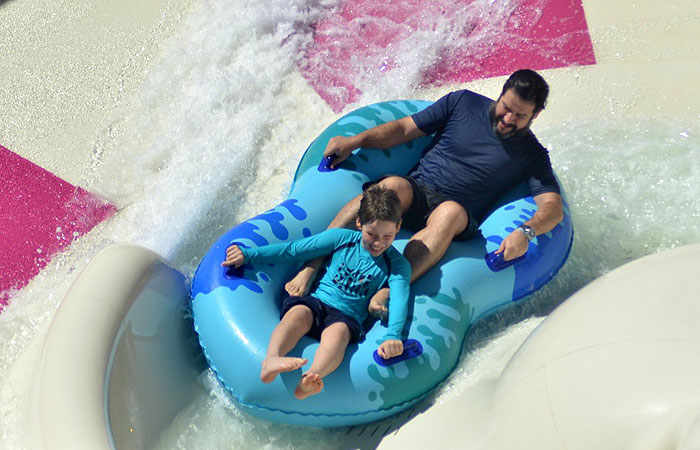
(310, 384)
(274, 365)
(299, 285)
(377, 304)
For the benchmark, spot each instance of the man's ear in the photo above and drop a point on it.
(358, 224)
(398, 226)
(534, 116)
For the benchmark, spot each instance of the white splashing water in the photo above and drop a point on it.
(213, 138)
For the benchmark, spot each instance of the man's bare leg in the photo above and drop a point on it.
(329, 355)
(295, 324)
(427, 247)
(430, 244)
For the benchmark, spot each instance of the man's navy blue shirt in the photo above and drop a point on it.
(469, 163)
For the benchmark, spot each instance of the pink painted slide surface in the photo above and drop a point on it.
(456, 40)
(40, 215)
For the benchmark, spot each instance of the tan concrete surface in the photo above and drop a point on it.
(647, 61)
(66, 64)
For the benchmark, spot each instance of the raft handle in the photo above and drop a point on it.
(496, 262)
(411, 349)
(325, 165)
(233, 273)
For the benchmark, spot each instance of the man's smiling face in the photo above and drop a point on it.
(512, 114)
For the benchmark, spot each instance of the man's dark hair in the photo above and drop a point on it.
(530, 86)
(379, 203)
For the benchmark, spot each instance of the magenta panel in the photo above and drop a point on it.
(444, 41)
(40, 215)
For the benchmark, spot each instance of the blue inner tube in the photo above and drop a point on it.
(236, 311)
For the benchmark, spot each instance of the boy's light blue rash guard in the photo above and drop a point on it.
(352, 276)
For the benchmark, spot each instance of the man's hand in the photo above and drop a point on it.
(549, 213)
(234, 257)
(341, 147)
(514, 245)
(390, 348)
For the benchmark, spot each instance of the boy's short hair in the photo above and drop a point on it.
(379, 203)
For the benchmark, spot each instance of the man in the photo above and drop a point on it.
(481, 149)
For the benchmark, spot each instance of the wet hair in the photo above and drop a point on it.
(379, 203)
(529, 86)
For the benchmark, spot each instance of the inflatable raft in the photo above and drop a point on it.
(236, 310)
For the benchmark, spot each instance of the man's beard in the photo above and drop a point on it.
(495, 120)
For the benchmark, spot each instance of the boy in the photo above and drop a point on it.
(361, 262)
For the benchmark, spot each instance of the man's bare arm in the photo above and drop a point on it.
(384, 136)
(550, 211)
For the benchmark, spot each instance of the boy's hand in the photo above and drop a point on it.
(390, 348)
(234, 257)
